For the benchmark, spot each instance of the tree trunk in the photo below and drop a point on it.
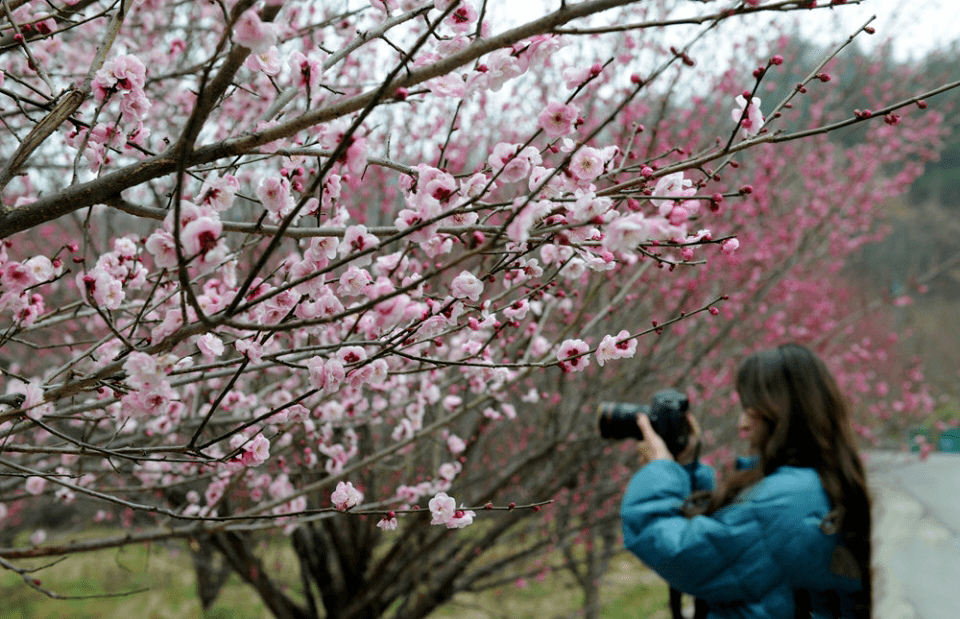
(250, 568)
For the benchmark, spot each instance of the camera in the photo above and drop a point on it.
(666, 411)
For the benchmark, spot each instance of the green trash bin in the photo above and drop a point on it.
(950, 440)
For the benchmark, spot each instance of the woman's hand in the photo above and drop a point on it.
(652, 446)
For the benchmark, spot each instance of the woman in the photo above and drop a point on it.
(786, 537)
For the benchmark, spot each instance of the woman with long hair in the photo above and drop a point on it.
(785, 537)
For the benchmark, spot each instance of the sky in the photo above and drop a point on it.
(916, 26)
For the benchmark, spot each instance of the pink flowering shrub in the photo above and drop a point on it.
(267, 257)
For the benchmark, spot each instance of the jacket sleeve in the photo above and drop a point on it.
(718, 558)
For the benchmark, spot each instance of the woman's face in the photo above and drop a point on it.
(749, 428)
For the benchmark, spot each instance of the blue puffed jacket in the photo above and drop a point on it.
(747, 559)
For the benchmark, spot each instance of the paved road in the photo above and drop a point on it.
(916, 535)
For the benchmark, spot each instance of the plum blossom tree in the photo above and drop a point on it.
(344, 272)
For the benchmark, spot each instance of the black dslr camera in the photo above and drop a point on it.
(667, 413)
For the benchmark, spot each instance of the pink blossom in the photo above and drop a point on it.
(125, 247)
(201, 235)
(432, 327)
(753, 120)
(517, 310)
(306, 70)
(356, 158)
(353, 281)
(587, 164)
(346, 496)
(729, 246)
(349, 355)
(424, 208)
(321, 249)
(388, 522)
(274, 193)
(502, 65)
(149, 403)
(257, 451)
(253, 33)
(35, 485)
(138, 136)
(356, 239)
(315, 371)
(408, 494)
(41, 267)
(518, 230)
(466, 286)
(210, 345)
(135, 104)
(267, 61)
(462, 18)
(448, 85)
(250, 349)
(455, 444)
(461, 518)
(557, 119)
(443, 508)
(588, 206)
(620, 346)
(328, 304)
(513, 165)
(172, 321)
(473, 186)
(570, 349)
(437, 184)
(574, 77)
(219, 192)
(162, 247)
(143, 371)
(672, 185)
(449, 470)
(106, 290)
(124, 72)
(337, 457)
(326, 374)
(16, 277)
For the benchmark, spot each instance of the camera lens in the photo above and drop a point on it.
(618, 420)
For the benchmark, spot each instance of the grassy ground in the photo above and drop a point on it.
(628, 591)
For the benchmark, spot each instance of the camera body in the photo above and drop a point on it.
(666, 411)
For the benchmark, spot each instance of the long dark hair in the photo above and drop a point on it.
(806, 423)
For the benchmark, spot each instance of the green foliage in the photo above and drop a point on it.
(629, 590)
